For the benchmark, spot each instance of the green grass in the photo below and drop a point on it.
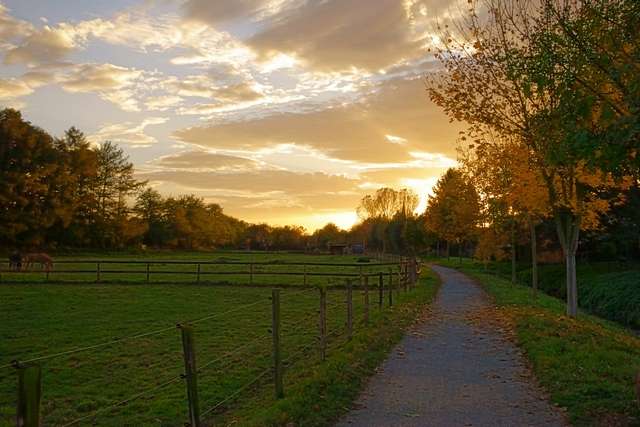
(588, 365)
(40, 319)
(263, 274)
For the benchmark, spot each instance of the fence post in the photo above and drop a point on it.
(190, 374)
(390, 288)
(323, 323)
(349, 310)
(399, 281)
(305, 275)
(251, 274)
(366, 300)
(148, 272)
(405, 276)
(275, 333)
(98, 273)
(29, 392)
(380, 291)
(198, 274)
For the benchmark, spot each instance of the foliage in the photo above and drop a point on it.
(453, 211)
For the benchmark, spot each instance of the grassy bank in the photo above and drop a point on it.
(608, 289)
(319, 394)
(588, 365)
(233, 346)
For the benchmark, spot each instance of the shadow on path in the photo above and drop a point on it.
(454, 371)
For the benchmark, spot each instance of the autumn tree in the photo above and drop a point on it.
(380, 209)
(453, 210)
(498, 77)
(29, 193)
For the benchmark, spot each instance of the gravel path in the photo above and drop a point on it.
(454, 370)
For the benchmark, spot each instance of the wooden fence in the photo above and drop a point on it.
(201, 271)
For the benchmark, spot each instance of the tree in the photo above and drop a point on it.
(113, 184)
(499, 78)
(29, 194)
(381, 208)
(453, 210)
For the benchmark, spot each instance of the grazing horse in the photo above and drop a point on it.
(15, 261)
(46, 262)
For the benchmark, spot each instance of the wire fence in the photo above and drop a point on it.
(196, 369)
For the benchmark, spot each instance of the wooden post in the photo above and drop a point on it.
(148, 272)
(29, 392)
(390, 288)
(190, 374)
(251, 274)
(323, 323)
(380, 291)
(198, 274)
(305, 275)
(399, 281)
(98, 273)
(349, 310)
(366, 300)
(405, 278)
(275, 332)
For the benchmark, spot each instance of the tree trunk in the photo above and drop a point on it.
(534, 257)
(513, 252)
(438, 248)
(448, 253)
(460, 252)
(568, 227)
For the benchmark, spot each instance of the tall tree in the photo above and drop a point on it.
(29, 194)
(453, 210)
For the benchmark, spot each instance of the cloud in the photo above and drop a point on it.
(47, 45)
(11, 28)
(116, 84)
(128, 133)
(350, 132)
(330, 34)
(205, 161)
(13, 88)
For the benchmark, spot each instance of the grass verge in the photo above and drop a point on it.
(317, 395)
(588, 365)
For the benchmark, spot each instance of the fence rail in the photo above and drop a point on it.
(201, 269)
(337, 317)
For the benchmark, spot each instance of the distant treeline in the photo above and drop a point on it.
(64, 192)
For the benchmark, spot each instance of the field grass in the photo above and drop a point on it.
(588, 365)
(230, 268)
(233, 347)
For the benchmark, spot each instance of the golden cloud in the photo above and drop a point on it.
(351, 132)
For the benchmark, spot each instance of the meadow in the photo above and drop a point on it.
(117, 353)
(237, 267)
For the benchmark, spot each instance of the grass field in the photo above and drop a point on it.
(282, 269)
(588, 365)
(233, 347)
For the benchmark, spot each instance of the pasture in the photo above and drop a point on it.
(234, 268)
(118, 356)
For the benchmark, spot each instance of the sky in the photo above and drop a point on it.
(281, 111)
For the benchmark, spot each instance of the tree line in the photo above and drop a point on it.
(550, 91)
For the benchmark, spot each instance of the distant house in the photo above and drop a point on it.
(337, 248)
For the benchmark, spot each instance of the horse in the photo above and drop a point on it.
(46, 262)
(15, 261)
